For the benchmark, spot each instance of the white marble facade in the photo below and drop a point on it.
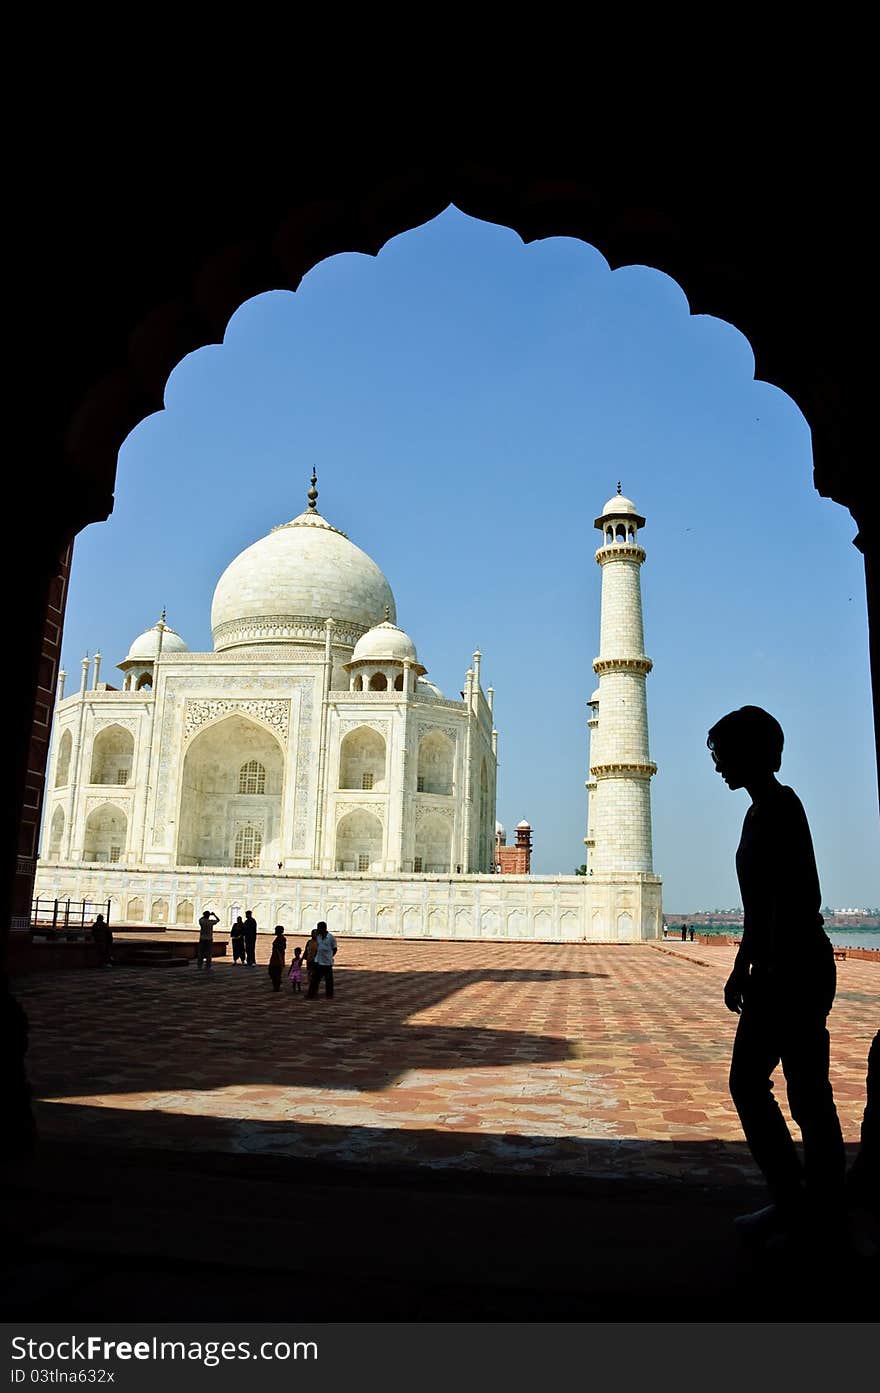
(306, 768)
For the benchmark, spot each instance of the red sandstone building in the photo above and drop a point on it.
(513, 860)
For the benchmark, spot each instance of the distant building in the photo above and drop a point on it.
(513, 860)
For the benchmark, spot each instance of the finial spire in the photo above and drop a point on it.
(619, 489)
(162, 617)
(387, 614)
(313, 492)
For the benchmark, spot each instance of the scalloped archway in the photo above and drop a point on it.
(775, 257)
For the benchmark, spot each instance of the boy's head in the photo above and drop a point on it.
(746, 743)
(322, 928)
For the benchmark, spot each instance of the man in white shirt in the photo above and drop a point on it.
(206, 939)
(323, 966)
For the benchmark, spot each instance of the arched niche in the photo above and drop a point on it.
(56, 833)
(62, 768)
(159, 912)
(233, 753)
(247, 847)
(436, 763)
(358, 842)
(112, 756)
(184, 912)
(134, 911)
(433, 844)
(378, 682)
(106, 833)
(362, 757)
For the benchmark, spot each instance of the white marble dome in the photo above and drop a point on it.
(283, 588)
(383, 642)
(146, 645)
(423, 684)
(620, 506)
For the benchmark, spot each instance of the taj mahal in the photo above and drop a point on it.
(308, 769)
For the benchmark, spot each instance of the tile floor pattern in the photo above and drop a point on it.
(576, 1060)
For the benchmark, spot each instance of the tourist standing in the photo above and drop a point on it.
(102, 936)
(781, 987)
(236, 934)
(206, 939)
(691, 933)
(277, 956)
(311, 950)
(296, 971)
(684, 933)
(250, 938)
(324, 955)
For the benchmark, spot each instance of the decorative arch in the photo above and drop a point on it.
(112, 756)
(62, 767)
(436, 764)
(433, 844)
(717, 249)
(159, 911)
(134, 911)
(362, 757)
(56, 833)
(359, 838)
(184, 912)
(106, 834)
(231, 795)
(378, 682)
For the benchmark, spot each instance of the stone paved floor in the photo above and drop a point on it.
(575, 1060)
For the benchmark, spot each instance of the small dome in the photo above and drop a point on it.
(384, 643)
(620, 507)
(594, 697)
(423, 685)
(146, 645)
(499, 830)
(524, 826)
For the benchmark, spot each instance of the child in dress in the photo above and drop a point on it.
(296, 971)
(276, 961)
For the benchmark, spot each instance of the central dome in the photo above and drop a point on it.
(285, 586)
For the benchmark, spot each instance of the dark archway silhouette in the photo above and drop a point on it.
(144, 276)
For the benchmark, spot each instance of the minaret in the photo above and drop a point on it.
(621, 766)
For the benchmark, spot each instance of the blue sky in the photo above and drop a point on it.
(470, 403)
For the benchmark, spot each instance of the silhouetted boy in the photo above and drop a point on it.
(782, 986)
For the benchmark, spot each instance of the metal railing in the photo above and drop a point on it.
(66, 916)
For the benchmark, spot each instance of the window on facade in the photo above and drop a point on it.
(366, 781)
(122, 776)
(248, 846)
(252, 777)
(417, 864)
(363, 861)
(420, 784)
(115, 853)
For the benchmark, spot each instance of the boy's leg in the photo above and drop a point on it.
(755, 1056)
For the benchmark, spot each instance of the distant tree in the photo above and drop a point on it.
(581, 870)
